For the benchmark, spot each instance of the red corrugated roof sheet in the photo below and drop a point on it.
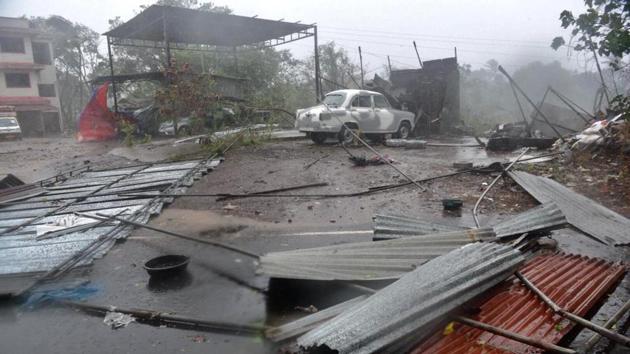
(576, 283)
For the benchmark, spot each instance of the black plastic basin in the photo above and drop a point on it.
(166, 265)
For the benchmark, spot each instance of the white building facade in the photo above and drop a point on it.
(28, 78)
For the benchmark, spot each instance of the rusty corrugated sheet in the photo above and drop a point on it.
(585, 214)
(403, 313)
(372, 260)
(576, 283)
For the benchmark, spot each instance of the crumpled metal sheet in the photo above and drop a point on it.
(397, 226)
(583, 213)
(372, 260)
(576, 283)
(22, 253)
(543, 218)
(307, 323)
(410, 309)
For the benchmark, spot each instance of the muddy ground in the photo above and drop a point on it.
(221, 286)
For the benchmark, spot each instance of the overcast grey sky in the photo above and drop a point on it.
(510, 31)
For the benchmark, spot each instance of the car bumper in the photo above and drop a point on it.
(317, 127)
(10, 136)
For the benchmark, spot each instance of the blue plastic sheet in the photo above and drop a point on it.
(62, 292)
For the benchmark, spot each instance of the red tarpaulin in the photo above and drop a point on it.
(96, 121)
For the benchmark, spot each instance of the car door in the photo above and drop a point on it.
(385, 115)
(361, 111)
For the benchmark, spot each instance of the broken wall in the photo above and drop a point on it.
(434, 90)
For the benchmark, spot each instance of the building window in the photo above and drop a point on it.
(46, 90)
(11, 44)
(41, 53)
(15, 80)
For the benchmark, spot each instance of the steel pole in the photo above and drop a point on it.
(530, 102)
(318, 84)
(111, 73)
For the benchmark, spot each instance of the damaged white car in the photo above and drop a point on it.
(366, 111)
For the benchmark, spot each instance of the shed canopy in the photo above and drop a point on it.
(202, 27)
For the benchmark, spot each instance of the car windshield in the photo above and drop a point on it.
(335, 100)
(8, 122)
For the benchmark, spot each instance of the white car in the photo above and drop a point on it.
(366, 111)
(10, 128)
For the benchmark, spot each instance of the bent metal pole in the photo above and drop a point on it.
(614, 336)
(474, 212)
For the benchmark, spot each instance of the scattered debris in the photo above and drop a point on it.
(307, 309)
(8, 180)
(163, 318)
(309, 165)
(462, 166)
(406, 143)
(230, 207)
(117, 320)
(372, 161)
(452, 204)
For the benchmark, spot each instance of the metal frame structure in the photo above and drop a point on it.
(153, 28)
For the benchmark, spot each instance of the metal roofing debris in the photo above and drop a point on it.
(576, 283)
(396, 226)
(307, 323)
(583, 213)
(543, 218)
(180, 25)
(90, 192)
(403, 313)
(372, 260)
(9, 180)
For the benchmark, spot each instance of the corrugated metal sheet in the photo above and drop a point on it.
(306, 323)
(408, 310)
(543, 218)
(91, 192)
(575, 283)
(585, 214)
(372, 260)
(397, 226)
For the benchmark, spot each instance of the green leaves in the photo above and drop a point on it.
(604, 27)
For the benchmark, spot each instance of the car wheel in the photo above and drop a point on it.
(183, 131)
(404, 131)
(345, 135)
(318, 138)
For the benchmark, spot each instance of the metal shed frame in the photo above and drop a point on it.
(167, 27)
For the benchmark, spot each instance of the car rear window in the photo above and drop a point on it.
(380, 102)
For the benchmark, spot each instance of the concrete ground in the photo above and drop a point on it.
(222, 286)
